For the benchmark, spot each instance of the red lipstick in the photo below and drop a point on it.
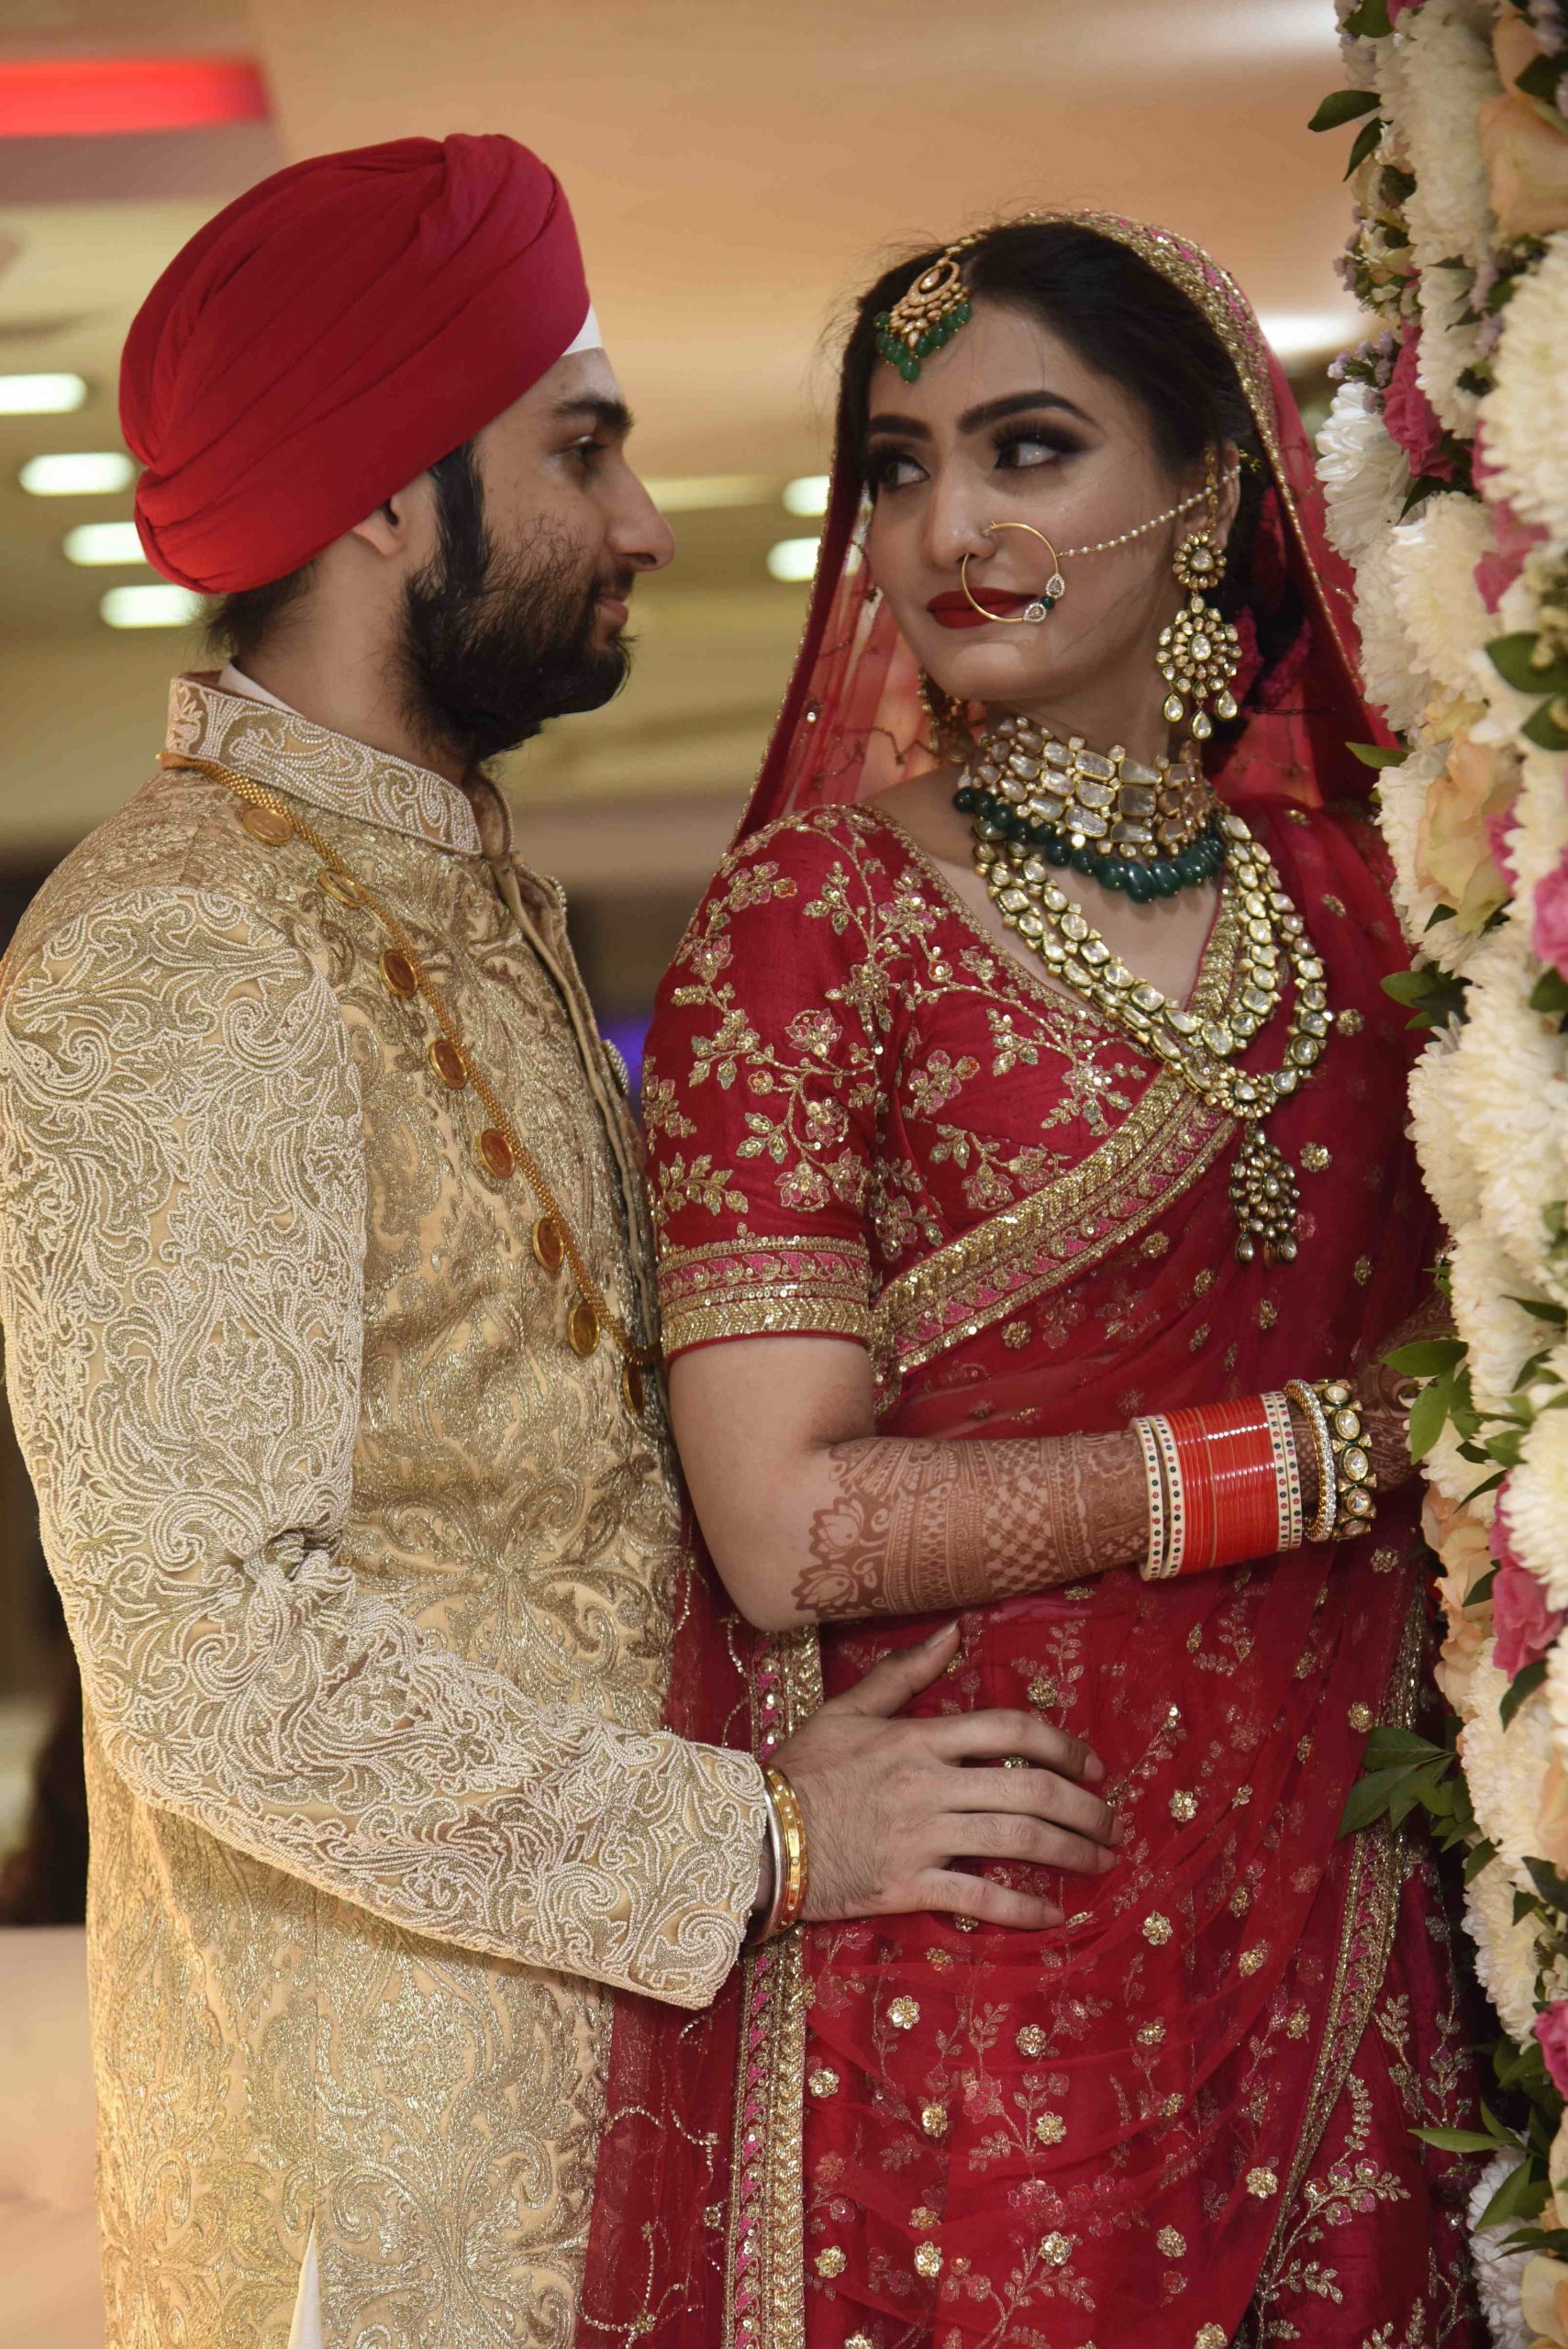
(954, 609)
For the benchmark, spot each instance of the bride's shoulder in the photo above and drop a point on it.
(812, 842)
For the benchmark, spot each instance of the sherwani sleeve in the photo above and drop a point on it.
(182, 1214)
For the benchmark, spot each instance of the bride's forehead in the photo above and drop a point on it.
(1004, 351)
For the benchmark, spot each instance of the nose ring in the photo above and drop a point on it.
(1042, 605)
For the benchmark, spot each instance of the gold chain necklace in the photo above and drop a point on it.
(1264, 1192)
(499, 1148)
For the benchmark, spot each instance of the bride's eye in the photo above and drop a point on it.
(890, 469)
(1021, 449)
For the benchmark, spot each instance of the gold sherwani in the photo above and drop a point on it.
(370, 1575)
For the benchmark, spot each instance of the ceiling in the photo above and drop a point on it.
(736, 170)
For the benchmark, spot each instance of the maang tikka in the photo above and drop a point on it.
(1200, 652)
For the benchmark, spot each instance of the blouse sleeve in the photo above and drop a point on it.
(762, 1086)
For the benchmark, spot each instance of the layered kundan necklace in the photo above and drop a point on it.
(1039, 806)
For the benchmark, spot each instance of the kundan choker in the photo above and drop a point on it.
(1201, 1053)
(1148, 830)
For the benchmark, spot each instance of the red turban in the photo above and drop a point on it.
(331, 334)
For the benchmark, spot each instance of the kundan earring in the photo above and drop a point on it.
(951, 737)
(1199, 653)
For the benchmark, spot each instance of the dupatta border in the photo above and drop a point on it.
(765, 2255)
(1157, 1153)
(1366, 1942)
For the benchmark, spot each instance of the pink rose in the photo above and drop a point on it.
(1549, 926)
(1410, 416)
(1551, 2030)
(1526, 1627)
(1397, 8)
(1497, 569)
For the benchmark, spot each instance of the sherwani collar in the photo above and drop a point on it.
(293, 754)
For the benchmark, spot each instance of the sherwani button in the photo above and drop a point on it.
(582, 1328)
(634, 1387)
(495, 1153)
(448, 1063)
(549, 1249)
(397, 973)
(342, 885)
(268, 823)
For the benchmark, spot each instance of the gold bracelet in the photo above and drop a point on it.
(796, 1868)
(1353, 1463)
(1325, 1516)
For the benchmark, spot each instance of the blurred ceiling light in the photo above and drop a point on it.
(161, 606)
(1311, 334)
(793, 560)
(77, 472)
(807, 495)
(700, 493)
(40, 394)
(101, 543)
(83, 98)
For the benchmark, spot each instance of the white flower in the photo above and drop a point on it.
(1433, 560)
(1508, 1089)
(1508, 1956)
(1442, 1139)
(1539, 834)
(1438, 75)
(1505, 1768)
(1401, 803)
(1392, 678)
(1538, 1525)
(1449, 344)
(1525, 415)
(1501, 1334)
(1362, 470)
(1497, 2271)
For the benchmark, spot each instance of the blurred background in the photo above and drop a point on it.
(736, 169)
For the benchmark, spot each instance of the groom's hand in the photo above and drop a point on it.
(890, 1806)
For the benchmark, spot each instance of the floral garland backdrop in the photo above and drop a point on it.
(1444, 462)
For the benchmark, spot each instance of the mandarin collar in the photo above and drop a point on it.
(293, 754)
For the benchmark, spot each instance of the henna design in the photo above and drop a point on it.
(918, 1525)
(1385, 1395)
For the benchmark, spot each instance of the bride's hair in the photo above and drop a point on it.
(1127, 322)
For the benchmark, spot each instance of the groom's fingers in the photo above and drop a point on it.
(887, 1687)
(957, 1894)
(999, 1735)
(1038, 1794)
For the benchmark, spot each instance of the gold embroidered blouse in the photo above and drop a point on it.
(370, 1575)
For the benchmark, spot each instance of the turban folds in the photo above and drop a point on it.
(332, 333)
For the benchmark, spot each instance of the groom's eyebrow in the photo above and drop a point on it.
(974, 419)
(611, 415)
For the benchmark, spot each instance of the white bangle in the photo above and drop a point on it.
(1154, 1568)
(1287, 1471)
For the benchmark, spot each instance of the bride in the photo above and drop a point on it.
(1026, 1136)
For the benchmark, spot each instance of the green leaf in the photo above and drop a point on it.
(1457, 2140)
(1341, 106)
(1370, 21)
(1487, 1485)
(1543, 731)
(1513, 657)
(1539, 80)
(1373, 754)
(1540, 1307)
(1439, 914)
(1480, 1590)
(1426, 1357)
(1370, 1797)
(1526, 1905)
(1550, 994)
(1432, 994)
(1522, 2195)
(1551, 1886)
(1523, 1685)
(1388, 1743)
(1476, 1858)
(1428, 1416)
(1365, 144)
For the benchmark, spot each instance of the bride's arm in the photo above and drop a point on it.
(810, 1515)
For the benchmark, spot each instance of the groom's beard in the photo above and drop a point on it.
(495, 643)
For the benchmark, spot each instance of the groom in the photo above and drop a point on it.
(326, 1285)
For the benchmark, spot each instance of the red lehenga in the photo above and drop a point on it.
(1185, 2117)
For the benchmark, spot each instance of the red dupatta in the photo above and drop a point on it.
(696, 2234)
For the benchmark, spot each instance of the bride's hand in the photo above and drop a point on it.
(890, 1805)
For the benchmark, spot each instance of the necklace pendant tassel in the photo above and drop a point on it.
(1265, 1198)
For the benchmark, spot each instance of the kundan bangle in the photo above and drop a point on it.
(796, 1878)
(1353, 1464)
(1305, 1397)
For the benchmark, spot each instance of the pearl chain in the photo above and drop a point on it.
(1171, 514)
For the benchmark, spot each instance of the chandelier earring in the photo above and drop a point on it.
(1199, 653)
(950, 737)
